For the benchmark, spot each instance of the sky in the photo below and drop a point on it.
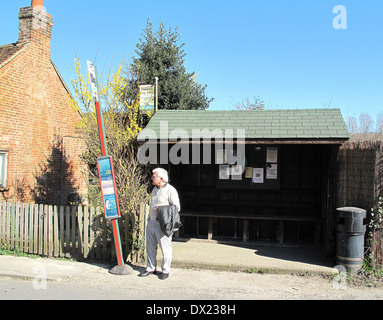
(289, 53)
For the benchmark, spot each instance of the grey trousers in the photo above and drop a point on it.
(154, 237)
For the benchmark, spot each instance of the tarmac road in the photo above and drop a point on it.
(35, 279)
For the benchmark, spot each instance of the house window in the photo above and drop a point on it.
(3, 168)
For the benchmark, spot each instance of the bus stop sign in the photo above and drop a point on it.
(108, 187)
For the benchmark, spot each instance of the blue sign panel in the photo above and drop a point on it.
(108, 187)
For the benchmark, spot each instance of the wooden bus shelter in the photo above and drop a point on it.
(279, 190)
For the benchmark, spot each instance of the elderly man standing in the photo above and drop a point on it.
(163, 194)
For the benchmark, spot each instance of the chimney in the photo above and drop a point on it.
(35, 25)
(37, 4)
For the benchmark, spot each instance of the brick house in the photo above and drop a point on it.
(39, 142)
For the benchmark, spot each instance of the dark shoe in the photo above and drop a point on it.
(163, 276)
(147, 273)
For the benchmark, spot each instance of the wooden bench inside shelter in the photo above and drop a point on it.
(245, 236)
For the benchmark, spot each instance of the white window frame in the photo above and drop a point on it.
(4, 167)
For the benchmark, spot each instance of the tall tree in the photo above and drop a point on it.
(160, 55)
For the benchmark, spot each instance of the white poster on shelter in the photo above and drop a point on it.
(224, 172)
(236, 172)
(272, 171)
(272, 155)
(257, 175)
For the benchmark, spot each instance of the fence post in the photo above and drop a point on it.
(73, 231)
(29, 226)
(11, 225)
(86, 232)
(21, 230)
(36, 223)
(67, 232)
(26, 230)
(56, 252)
(92, 231)
(3, 220)
(50, 231)
(61, 240)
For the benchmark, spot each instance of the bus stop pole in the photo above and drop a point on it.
(120, 268)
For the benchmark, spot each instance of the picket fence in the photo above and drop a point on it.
(78, 232)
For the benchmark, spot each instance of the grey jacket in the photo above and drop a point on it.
(169, 219)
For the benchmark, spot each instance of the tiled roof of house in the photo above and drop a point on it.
(9, 51)
(306, 124)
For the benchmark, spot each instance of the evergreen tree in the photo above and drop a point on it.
(160, 55)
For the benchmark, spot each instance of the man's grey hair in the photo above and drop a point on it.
(162, 173)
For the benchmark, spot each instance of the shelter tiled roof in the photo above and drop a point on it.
(293, 124)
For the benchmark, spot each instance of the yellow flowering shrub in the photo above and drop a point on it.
(122, 123)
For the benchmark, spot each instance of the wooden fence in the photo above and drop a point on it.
(359, 183)
(78, 232)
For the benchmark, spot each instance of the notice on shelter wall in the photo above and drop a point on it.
(258, 175)
(272, 155)
(224, 172)
(248, 172)
(272, 171)
(236, 172)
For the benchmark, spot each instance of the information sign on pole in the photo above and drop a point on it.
(108, 187)
(147, 97)
(93, 80)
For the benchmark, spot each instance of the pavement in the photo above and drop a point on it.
(250, 257)
(253, 258)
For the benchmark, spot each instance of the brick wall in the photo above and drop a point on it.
(37, 123)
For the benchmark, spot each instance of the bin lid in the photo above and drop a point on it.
(352, 209)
